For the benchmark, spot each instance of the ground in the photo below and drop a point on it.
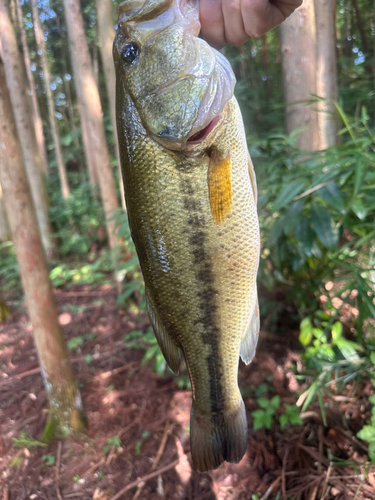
(137, 439)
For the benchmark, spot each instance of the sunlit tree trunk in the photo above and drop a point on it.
(298, 48)
(90, 101)
(106, 35)
(61, 388)
(37, 118)
(326, 71)
(15, 76)
(4, 225)
(50, 100)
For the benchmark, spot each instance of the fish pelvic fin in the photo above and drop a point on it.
(219, 185)
(218, 438)
(171, 352)
(250, 340)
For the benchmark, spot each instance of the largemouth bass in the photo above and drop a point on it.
(191, 197)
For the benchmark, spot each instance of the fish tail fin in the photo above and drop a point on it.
(218, 438)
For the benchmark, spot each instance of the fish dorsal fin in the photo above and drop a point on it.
(219, 185)
(250, 339)
(138, 10)
(170, 351)
(253, 179)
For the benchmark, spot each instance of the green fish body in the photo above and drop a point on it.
(191, 199)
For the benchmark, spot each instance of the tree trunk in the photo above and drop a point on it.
(37, 118)
(4, 224)
(68, 95)
(50, 100)
(326, 71)
(106, 35)
(90, 101)
(361, 28)
(63, 395)
(298, 48)
(15, 77)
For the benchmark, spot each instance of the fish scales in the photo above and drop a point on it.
(199, 265)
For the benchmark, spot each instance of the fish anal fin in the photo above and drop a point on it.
(219, 185)
(250, 339)
(170, 350)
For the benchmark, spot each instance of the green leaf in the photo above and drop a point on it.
(331, 194)
(275, 402)
(323, 225)
(372, 358)
(283, 420)
(305, 337)
(292, 216)
(336, 330)
(291, 190)
(367, 433)
(372, 399)
(348, 349)
(263, 402)
(359, 208)
(305, 235)
(371, 452)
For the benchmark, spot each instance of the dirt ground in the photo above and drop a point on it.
(137, 440)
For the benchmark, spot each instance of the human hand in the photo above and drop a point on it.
(235, 21)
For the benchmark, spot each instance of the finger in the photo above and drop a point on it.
(260, 16)
(235, 33)
(212, 22)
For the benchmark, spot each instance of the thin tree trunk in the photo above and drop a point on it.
(4, 224)
(106, 35)
(68, 94)
(61, 388)
(267, 93)
(90, 160)
(37, 118)
(15, 76)
(90, 101)
(361, 28)
(347, 29)
(50, 100)
(326, 71)
(298, 49)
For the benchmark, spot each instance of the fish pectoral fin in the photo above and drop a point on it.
(253, 179)
(250, 340)
(219, 185)
(170, 351)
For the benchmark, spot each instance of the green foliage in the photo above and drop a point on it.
(114, 441)
(25, 441)
(263, 417)
(82, 274)
(291, 416)
(49, 459)
(9, 273)
(78, 221)
(75, 342)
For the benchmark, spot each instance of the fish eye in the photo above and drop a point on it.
(130, 52)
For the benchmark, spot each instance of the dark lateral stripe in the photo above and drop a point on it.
(207, 296)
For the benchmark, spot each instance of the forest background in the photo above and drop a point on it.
(306, 92)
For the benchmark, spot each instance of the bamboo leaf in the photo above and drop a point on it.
(323, 226)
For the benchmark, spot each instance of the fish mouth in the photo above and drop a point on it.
(202, 134)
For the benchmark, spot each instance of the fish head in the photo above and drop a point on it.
(178, 83)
